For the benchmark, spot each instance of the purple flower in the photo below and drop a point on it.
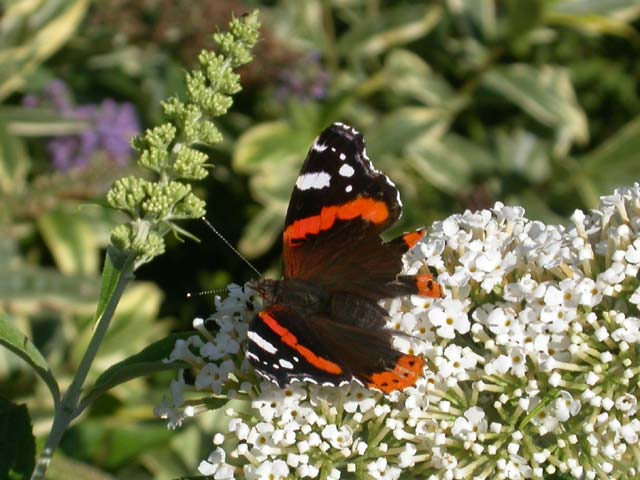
(110, 126)
(307, 80)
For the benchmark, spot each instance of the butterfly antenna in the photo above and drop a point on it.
(213, 229)
(207, 292)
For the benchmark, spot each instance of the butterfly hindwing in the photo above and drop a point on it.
(286, 347)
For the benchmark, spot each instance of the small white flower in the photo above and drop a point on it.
(407, 456)
(339, 438)
(216, 467)
(268, 470)
(359, 399)
(212, 376)
(455, 362)
(472, 423)
(627, 404)
(449, 317)
(565, 406)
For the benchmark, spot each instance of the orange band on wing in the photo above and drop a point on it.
(290, 340)
(427, 286)
(366, 208)
(405, 374)
(410, 239)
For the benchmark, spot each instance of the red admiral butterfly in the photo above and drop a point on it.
(323, 322)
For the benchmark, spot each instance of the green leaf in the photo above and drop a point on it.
(71, 241)
(599, 17)
(28, 290)
(614, 163)
(15, 341)
(142, 364)
(523, 153)
(268, 144)
(448, 163)
(376, 34)
(410, 76)
(545, 94)
(627, 9)
(116, 264)
(14, 162)
(114, 443)
(17, 444)
(261, 232)
(63, 468)
(28, 39)
(402, 128)
(134, 325)
(39, 122)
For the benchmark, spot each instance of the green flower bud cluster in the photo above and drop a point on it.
(173, 149)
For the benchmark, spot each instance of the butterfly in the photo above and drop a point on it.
(322, 321)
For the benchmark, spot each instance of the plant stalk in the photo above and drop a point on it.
(66, 410)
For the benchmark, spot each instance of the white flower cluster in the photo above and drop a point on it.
(532, 357)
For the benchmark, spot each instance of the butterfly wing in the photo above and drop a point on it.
(339, 207)
(285, 347)
(331, 242)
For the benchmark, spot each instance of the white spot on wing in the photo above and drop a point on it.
(343, 156)
(333, 149)
(348, 188)
(252, 356)
(346, 170)
(317, 180)
(261, 342)
(319, 147)
(285, 364)
(296, 359)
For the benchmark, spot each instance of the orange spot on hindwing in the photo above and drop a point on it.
(368, 209)
(410, 239)
(290, 340)
(427, 286)
(407, 371)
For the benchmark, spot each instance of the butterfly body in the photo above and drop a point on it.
(322, 321)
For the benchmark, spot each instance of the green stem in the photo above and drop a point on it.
(68, 409)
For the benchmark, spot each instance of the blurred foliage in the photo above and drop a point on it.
(462, 102)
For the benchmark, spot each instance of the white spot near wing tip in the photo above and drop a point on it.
(319, 147)
(317, 180)
(333, 149)
(261, 342)
(346, 170)
(343, 156)
(252, 356)
(348, 188)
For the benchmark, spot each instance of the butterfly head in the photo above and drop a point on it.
(266, 288)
